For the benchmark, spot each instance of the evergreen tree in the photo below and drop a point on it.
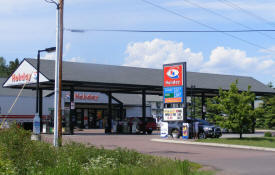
(3, 67)
(7, 70)
(13, 66)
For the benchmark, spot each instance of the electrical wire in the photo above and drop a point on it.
(52, 2)
(205, 25)
(227, 18)
(237, 7)
(166, 31)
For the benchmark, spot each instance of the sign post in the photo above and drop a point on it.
(174, 92)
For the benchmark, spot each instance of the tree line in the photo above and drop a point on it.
(7, 69)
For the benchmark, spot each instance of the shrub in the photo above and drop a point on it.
(268, 134)
(6, 167)
(25, 155)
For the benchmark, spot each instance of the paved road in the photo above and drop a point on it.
(228, 161)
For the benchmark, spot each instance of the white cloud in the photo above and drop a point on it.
(153, 54)
(270, 51)
(67, 47)
(76, 59)
(49, 56)
(157, 52)
(235, 61)
(52, 56)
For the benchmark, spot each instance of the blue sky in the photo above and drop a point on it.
(29, 25)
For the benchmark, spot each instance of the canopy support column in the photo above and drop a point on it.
(143, 104)
(108, 128)
(40, 108)
(69, 122)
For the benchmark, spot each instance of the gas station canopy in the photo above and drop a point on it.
(122, 79)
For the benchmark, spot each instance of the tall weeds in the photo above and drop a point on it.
(21, 156)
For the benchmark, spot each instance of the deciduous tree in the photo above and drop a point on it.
(233, 109)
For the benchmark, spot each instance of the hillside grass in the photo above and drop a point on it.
(21, 156)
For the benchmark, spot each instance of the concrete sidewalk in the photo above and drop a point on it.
(233, 135)
(213, 144)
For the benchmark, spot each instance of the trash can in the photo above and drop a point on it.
(44, 128)
(114, 126)
(124, 127)
(134, 127)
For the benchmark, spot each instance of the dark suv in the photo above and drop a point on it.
(206, 129)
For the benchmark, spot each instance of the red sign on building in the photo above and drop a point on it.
(83, 96)
(173, 75)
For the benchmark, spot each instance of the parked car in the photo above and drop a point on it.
(144, 125)
(206, 129)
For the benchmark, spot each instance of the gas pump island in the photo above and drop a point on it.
(174, 97)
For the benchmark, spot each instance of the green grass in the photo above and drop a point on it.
(21, 156)
(268, 142)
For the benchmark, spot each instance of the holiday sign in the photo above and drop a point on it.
(173, 75)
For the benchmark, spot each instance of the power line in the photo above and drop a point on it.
(52, 2)
(167, 31)
(235, 6)
(227, 18)
(202, 24)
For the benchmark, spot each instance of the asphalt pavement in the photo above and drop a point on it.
(227, 161)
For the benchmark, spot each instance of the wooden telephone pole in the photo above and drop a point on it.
(57, 141)
(60, 54)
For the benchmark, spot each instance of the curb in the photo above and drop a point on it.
(214, 145)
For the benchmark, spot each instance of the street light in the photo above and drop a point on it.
(48, 50)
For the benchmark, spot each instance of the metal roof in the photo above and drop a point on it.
(123, 79)
(126, 99)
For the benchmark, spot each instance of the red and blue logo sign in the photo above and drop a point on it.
(173, 75)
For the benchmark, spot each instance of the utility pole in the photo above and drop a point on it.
(61, 6)
(58, 75)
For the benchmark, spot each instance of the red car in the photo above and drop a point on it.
(144, 125)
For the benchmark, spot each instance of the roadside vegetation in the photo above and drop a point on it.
(7, 69)
(21, 156)
(266, 119)
(233, 110)
(268, 142)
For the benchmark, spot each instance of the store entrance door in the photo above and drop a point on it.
(92, 118)
(80, 118)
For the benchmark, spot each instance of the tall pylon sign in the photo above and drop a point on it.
(174, 92)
